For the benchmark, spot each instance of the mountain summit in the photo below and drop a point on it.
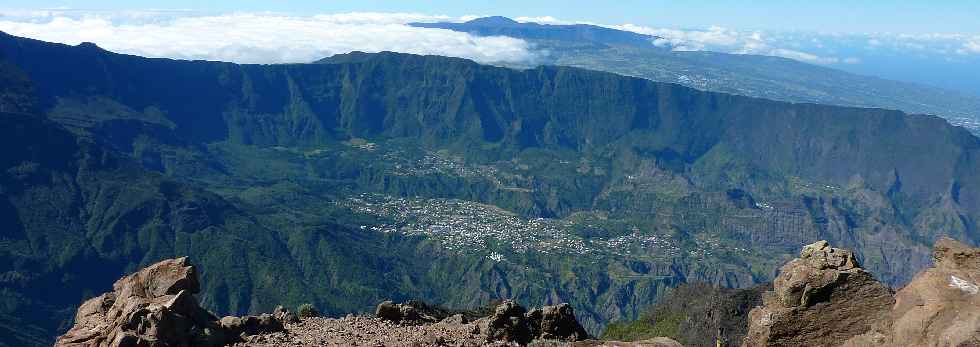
(577, 33)
(493, 21)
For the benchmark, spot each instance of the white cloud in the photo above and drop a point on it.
(972, 46)
(553, 21)
(285, 38)
(720, 39)
(937, 44)
(262, 37)
(544, 20)
(802, 56)
(818, 48)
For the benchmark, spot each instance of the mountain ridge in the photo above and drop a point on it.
(753, 75)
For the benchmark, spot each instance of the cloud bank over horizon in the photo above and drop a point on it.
(942, 59)
(824, 48)
(288, 38)
(259, 37)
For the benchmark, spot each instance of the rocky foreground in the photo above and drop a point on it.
(822, 298)
(372, 331)
(156, 307)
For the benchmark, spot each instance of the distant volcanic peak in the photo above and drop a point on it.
(89, 45)
(580, 33)
(493, 21)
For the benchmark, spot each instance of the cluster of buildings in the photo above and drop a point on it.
(472, 227)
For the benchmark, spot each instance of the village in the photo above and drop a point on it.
(470, 227)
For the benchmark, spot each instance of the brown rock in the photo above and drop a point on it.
(654, 342)
(156, 307)
(556, 323)
(940, 306)
(822, 298)
(283, 315)
(507, 323)
(455, 319)
(388, 311)
(401, 313)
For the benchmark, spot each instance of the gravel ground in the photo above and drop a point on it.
(369, 331)
(374, 332)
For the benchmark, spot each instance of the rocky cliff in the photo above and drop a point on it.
(824, 298)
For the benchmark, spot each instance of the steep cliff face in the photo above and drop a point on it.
(695, 314)
(75, 216)
(647, 185)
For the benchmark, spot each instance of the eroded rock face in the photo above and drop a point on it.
(939, 307)
(824, 298)
(156, 307)
(821, 298)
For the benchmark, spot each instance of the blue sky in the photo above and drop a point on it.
(956, 16)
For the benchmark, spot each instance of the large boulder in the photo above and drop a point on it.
(283, 315)
(402, 313)
(939, 307)
(556, 323)
(153, 307)
(822, 298)
(508, 323)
